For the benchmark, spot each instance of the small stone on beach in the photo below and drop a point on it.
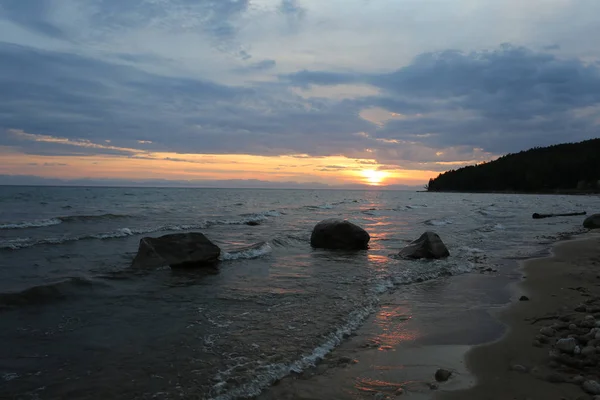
(433, 386)
(519, 368)
(344, 360)
(591, 387)
(442, 375)
(399, 392)
(523, 298)
(567, 345)
(581, 308)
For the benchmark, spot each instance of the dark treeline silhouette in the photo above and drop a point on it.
(563, 168)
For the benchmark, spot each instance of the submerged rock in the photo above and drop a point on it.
(523, 298)
(442, 375)
(339, 234)
(592, 222)
(429, 245)
(177, 250)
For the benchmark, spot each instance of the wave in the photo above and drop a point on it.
(39, 223)
(438, 222)
(427, 270)
(326, 206)
(43, 294)
(32, 224)
(266, 375)
(413, 206)
(290, 240)
(255, 251)
(99, 217)
(22, 243)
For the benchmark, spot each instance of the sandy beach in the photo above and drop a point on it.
(490, 346)
(563, 289)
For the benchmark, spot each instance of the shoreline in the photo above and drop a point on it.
(399, 348)
(519, 365)
(572, 192)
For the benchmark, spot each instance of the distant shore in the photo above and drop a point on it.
(563, 293)
(573, 192)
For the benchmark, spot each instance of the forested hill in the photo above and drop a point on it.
(570, 167)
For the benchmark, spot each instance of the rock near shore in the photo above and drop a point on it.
(592, 222)
(339, 234)
(429, 245)
(181, 250)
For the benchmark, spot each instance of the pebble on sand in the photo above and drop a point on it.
(519, 368)
(442, 375)
(567, 345)
(581, 308)
(591, 387)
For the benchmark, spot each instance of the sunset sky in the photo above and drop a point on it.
(289, 92)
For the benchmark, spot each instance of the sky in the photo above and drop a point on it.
(288, 93)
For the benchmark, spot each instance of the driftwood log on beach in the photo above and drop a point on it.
(540, 216)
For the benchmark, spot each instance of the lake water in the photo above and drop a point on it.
(77, 322)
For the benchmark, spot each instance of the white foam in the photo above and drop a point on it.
(438, 222)
(413, 206)
(9, 376)
(265, 375)
(32, 224)
(249, 253)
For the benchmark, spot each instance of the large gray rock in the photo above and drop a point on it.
(339, 234)
(429, 245)
(592, 222)
(176, 250)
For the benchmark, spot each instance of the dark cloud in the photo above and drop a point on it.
(551, 47)
(499, 101)
(75, 97)
(292, 8)
(32, 14)
(260, 66)
(503, 100)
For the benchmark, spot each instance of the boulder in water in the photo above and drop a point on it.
(177, 250)
(339, 234)
(429, 245)
(592, 222)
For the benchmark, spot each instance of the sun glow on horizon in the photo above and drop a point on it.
(374, 177)
(128, 162)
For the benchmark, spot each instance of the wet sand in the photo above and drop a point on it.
(447, 323)
(556, 286)
(417, 329)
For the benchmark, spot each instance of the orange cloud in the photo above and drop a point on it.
(141, 164)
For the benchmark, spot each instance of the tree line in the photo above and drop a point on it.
(569, 167)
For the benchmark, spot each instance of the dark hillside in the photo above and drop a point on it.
(570, 167)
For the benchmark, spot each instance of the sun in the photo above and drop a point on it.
(373, 177)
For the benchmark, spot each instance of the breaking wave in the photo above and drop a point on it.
(255, 251)
(438, 222)
(39, 223)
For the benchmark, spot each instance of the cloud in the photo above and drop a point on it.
(215, 77)
(506, 99)
(292, 8)
(259, 66)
